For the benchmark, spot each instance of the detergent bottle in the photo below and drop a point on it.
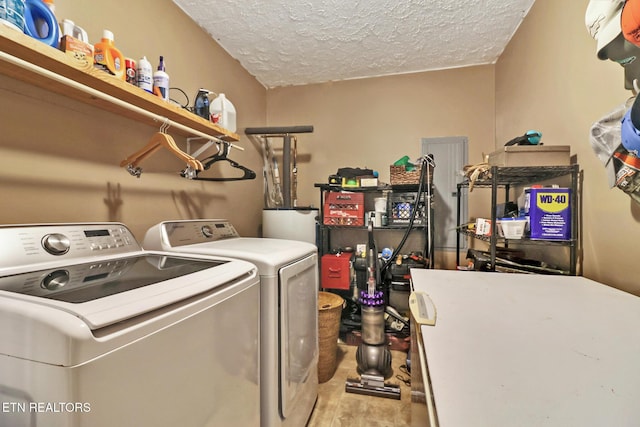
(12, 14)
(223, 113)
(107, 57)
(45, 25)
(40, 23)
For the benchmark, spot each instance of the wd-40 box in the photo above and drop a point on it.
(550, 213)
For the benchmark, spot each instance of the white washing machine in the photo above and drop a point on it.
(95, 331)
(289, 309)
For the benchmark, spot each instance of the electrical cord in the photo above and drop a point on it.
(425, 162)
(186, 105)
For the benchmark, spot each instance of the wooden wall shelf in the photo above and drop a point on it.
(42, 56)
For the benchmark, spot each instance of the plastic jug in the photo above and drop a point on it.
(40, 23)
(145, 75)
(107, 57)
(69, 28)
(12, 13)
(223, 113)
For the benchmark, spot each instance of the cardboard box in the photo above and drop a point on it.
(550, 214)
(531, 155)
(77, 49)
(368, 182)
(483, 227)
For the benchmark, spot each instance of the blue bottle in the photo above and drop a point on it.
(201, 104)
(41, 23)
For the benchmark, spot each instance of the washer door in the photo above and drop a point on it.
(298, 286)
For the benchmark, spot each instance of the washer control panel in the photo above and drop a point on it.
(29, 244)
(181, 233)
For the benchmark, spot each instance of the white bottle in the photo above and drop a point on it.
(161, 80)
(223, 113)
(69, 28)
(145, 75)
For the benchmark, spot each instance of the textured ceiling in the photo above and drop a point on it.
(295, 42)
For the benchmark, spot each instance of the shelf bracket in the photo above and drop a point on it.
(208, 145)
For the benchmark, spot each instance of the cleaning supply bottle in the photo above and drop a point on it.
(145, 75)
(12, 14)
(107, 57)
(161, 81)
(52, 7)
(69, 28)
(223, 113)
(40, 23)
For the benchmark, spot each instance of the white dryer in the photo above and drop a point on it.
(95, 331)
(289, 309)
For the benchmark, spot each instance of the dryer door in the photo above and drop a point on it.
(298, 284)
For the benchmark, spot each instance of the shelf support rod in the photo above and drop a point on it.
(93, 92)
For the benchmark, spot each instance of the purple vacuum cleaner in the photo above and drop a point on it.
(373, 356)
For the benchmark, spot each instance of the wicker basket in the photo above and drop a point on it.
(329, 313)
(400, 176)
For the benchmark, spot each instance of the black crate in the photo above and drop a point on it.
(401, 205)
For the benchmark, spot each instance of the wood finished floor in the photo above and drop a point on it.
(337, 408)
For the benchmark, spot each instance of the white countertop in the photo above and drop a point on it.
(531, 350)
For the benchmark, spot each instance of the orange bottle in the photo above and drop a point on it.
(108, 58)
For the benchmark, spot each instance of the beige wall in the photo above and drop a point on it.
(59, 159)
(373, 122)
(550, 79)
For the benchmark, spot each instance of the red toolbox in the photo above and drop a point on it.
(344, 208)
(336, 271)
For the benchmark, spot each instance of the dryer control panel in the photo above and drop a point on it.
(179, 233)
(32, 244)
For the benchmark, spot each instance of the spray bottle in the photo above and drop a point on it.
(107, 57)
(161, 81)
